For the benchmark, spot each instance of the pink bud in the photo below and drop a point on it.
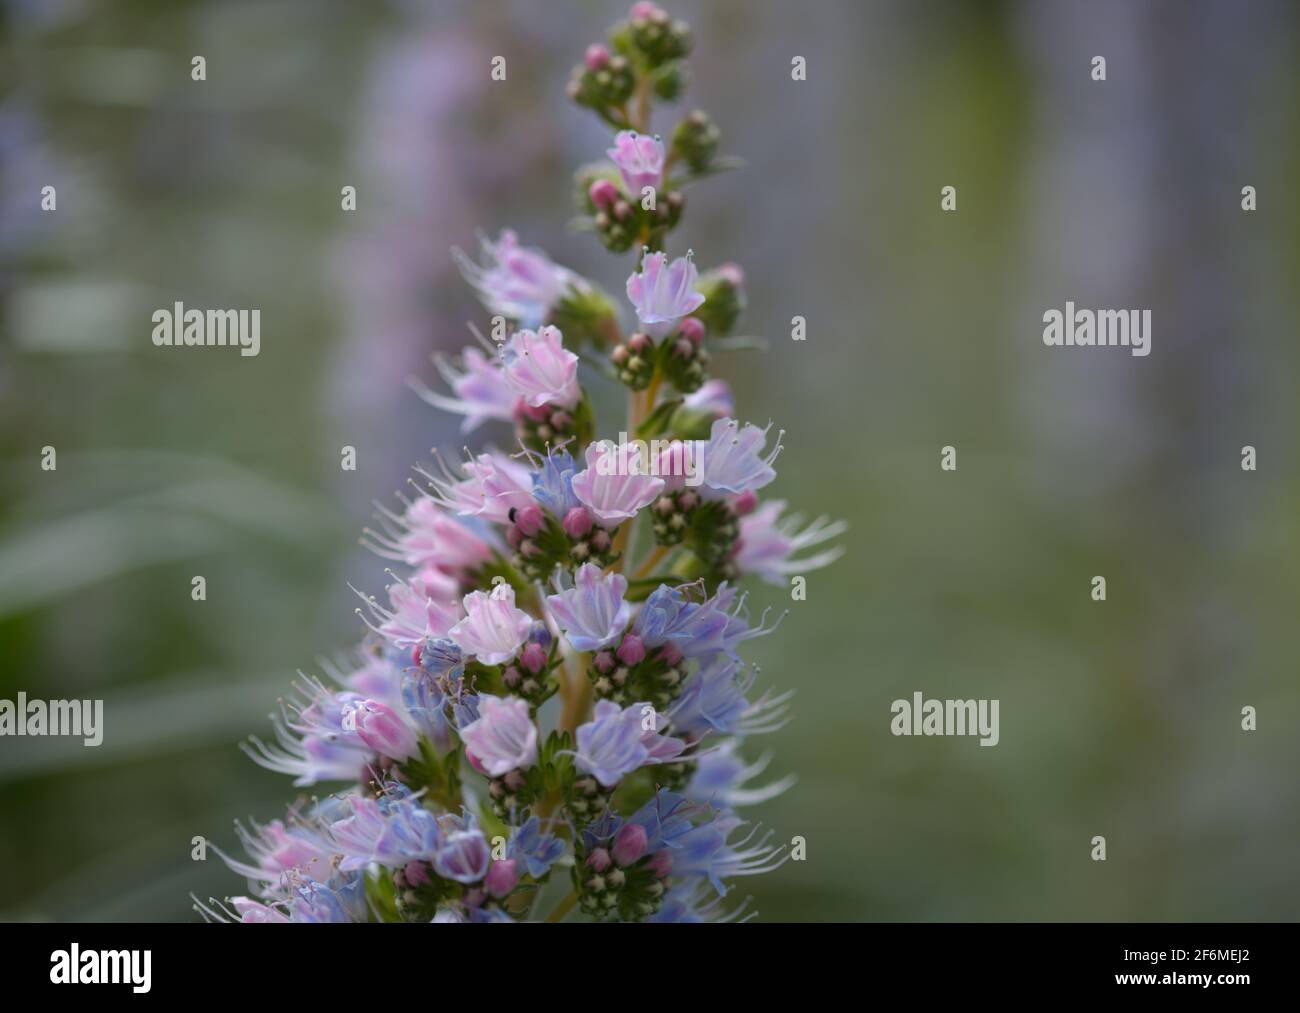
(577, 522)
(604, 662)
(529, 519)
(692, 329)
(596, 56)
(631, 651)
(644, 10)
(599, 860)
(639, 342)
(502, 877)
(734, 274)
(601, 540)
(416, 873)
(661, 864)
(670, 653)
(514, 536)
(630, 844)
(603, 194)
(533, 658)
(745, 503)
(379, 727)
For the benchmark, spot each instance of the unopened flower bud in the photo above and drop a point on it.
(745, 503)
(577, 522)
(692, 330)
(596, 56)
(502, 877)
(603, 194)
(631, 651)
(533, 658)
(529, 519)
(599, 860)
(630, 844)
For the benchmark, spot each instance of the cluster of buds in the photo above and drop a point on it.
(622, 219)
(541, 543)
(550, 425)
(682, 360)
(631, 673)
(602, 82)
(620, 881)
(695, 141)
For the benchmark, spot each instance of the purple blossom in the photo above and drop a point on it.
(426, 536)
(640, 160)
(618, 741)
(482, 392)
(493, 629)
(517, 282)
(592, 613)
(392, 830)
(663, 293)
(615, 484)
(732, 459)
(768, 543)
(464, 856)
(493, 486)
(540, 370)
(503, 738)
(379, 727)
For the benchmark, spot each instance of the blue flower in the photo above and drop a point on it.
(592, 613)
(538, 851)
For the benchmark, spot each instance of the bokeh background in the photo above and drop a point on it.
(1120, 719)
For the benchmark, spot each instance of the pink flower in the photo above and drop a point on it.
(503, 738)
(733, 461)
(630, 844)
(539, 370)
(380, 728)
(427, 536)
(481, 389)
(416, 614)
(502, 877)
(615, 485)
(493, 629)
(768, 543)
(518, 282)
(640, 160)
(663, 293)
(713, 398)
(493, 486)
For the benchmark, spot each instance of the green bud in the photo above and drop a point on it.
(724, 299)
(670, 80)
(584, 315)
(695, 140)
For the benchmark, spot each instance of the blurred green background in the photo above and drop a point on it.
(1119, 718)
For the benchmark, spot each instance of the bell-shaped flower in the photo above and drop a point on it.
(503, 737)
(540, 370)
(493, 629)
(640, 160)
(481, 390)
(616, 482)
(592, 613)
(518, 282)
(663, 293)
(732, 460)
(618, 741)
(768, 543)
